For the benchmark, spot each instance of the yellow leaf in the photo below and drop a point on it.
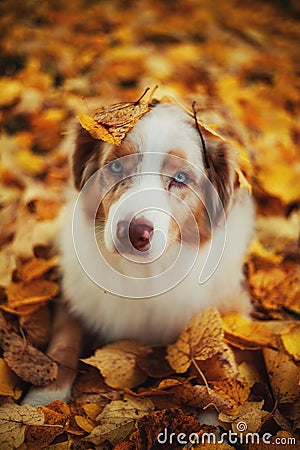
(96, 130)
(35, 268)
(245, 334)
(36, 291)
(291, 341)
(8, 382)
(200, 340)
(84, 423)
(31, 163)
(92, 410)
(117, 364)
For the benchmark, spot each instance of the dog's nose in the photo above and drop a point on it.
(137, 231)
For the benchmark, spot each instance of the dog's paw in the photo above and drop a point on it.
(44, 396)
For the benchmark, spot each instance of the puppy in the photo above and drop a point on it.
(155, 231)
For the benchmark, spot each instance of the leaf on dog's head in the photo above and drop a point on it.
(111, 123)
(200, 340)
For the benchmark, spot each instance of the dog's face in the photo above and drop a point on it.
(152, 191)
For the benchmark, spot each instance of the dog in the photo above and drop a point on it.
(155, 230)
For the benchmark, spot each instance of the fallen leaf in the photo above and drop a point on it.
(37, 326)
(27, 362)
(291, 341)
(200, 340)
(35, 291)
(36, 268)
(9, 383)
(284, 375)
(117, 420)
(154, 363)
(57, 416)
(13, 420)
(117, 364)
(220, 366)
(84, 423)
(246, 334)
(165, 428)
(249, 420)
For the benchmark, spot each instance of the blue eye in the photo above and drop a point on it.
(115, 167)
(180, 178)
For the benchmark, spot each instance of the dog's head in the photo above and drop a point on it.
(153, 190)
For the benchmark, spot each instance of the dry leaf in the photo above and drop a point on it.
(151, 429)
(291, 341)
(84, 423)
(284, 375)
(249, 420)
(57, 416)
(36, 268)
(220, 366)
(118, 418)
(27, 362)
(117, 364)
(154, 363)
(13, 420)
(112, 123)
(37, 326)
(9, 383)
(200, 340)
(246, 334)
(35, 291)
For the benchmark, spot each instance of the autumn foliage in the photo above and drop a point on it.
(62, 60)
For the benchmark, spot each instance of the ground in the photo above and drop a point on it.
(240, 62)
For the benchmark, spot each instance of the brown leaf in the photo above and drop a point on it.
(284, 375)
(154, 363)
(117, 364)
(27, 362)
(200, 340)
(156, 428)
(221, 365)
(37, 326)
(13, 420)
(57, 416)
(118, 418)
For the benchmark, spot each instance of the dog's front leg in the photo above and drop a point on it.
(64, 348)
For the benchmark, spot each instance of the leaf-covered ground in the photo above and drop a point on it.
(240, 62)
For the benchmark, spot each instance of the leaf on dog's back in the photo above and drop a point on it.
(200, 340)
(117, 364)
(27, 362)
(13, 420)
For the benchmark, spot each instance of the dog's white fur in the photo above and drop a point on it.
(158, 319)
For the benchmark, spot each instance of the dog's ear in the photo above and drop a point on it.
(220, 176)
(85, 156)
